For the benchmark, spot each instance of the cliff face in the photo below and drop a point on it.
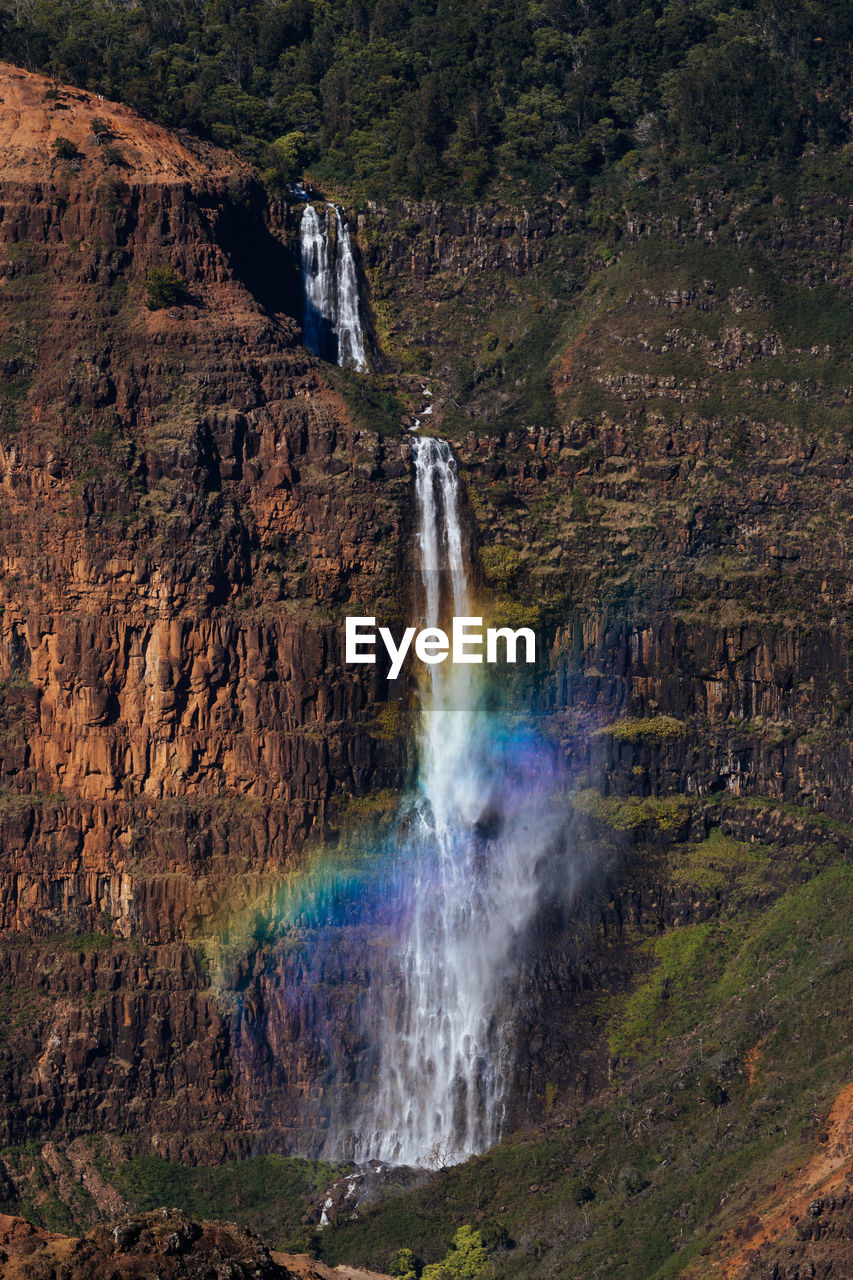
(186, 507)
(662, 471)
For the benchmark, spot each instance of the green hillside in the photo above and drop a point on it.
(436, 99)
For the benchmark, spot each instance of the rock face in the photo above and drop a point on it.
(187, 510)
(822, 1245)
(166, 1243)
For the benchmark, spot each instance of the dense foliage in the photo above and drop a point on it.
(439, 97)
(164, 288)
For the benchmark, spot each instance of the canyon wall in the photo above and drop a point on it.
(189, 506)
(188, 511)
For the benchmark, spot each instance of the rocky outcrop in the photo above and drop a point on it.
(166, 1242)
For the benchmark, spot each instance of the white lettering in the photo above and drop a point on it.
(511, 638)
(432, 645)
(461, 638)
(354, 640)
(397, 655)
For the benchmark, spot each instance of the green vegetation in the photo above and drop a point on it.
(413, 96)
(403, 1265)
(40, 1202)
(500, 565)
(654, 729)
(377, 804)
(389, 721)
(286, 158)
(372, 402)
(681, 960)
(165, 288)
(21, 801)
(465, 1259)
(720, 863)
(85, 942)
(270, 1193)
(733, 1045)
(628, 813)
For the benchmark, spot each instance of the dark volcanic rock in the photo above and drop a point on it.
(165, 1243)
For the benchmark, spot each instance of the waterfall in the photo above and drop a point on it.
(331, 320)
(348, 327)
(317, 281)
(433, 915)
(480, 832)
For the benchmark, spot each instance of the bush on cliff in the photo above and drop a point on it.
(165, 288)
(65, 149)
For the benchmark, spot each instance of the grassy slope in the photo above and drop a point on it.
(727, 1057)
(270, 1193)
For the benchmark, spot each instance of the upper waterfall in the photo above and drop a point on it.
(332, 314)
(318, 320)
(348, 326)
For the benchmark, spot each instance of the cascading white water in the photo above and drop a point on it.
(348, 322)
(443, 1078)
(331, 321)
(317, 281)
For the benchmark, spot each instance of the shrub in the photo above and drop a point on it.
(402, 1265)
(113, 156)
(65, 149)
(465, 1259)
(165, 288)
(653, 729)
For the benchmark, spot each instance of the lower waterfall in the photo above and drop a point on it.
(400, 972)
(481, 827)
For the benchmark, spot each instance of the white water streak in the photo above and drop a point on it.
(348, 325)
(332, 318)
(443, 1080)
(317, 281)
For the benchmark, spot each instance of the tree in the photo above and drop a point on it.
(402, 1265)
(466, 1258)
(65, 149)
(286, 158)
(165, 288)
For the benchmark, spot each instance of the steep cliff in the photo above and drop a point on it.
(186, 509)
